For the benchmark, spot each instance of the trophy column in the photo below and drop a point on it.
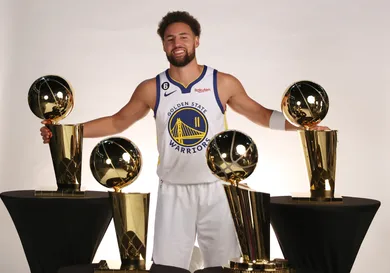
(130, 214)
(232, 157)
(319, 148)
(66, 153)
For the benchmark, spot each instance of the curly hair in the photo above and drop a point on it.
(178, 17)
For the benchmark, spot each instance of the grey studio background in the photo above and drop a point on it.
(105, 48)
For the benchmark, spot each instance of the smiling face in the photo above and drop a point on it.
(179, 44)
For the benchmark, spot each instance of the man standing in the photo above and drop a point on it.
(189, 101)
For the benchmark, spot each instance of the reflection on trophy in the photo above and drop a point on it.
(305, 104)
(52, 98)
(232, 157)
(116, 163)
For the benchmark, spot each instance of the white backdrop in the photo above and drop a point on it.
(105, 48)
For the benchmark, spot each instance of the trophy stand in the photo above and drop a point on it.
(51, 98)
(116, 163)
(130, 214)
(232, 157)
(66, 153)
(251, 216)
(305, 104)
(320, 148)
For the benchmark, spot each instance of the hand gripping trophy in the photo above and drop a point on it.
(52, 98)
(305, 104)
(116, 163)
(232, 157)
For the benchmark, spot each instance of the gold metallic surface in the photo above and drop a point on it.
(251, 218)
(232, 156)
(130, 213)
(66, 147)
(305, 103)
(275, 266)
(115, 162)
(51, 97)
(320, 148)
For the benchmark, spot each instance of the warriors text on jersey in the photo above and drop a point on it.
(187, 117)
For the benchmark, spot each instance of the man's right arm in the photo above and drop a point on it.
(142, 100)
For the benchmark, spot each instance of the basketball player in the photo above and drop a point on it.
(189, 101)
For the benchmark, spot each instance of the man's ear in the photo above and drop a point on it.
(197, 41)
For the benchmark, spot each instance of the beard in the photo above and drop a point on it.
(183, 61)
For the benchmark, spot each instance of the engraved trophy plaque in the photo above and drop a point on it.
(232, 157)
(305, 104)
(51, 98)
(116, 163)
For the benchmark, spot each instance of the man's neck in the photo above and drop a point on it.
(186, 74)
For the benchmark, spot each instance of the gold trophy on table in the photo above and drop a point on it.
(116, 163)
(305, 104)
(52, 98)
(232, 156)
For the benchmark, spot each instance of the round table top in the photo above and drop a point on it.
(347, 201)
(26, 194)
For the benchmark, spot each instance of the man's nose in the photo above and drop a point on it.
(177, 42)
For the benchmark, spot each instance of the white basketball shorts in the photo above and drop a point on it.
(187, 211)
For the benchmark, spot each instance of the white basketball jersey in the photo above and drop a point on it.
(187, 117)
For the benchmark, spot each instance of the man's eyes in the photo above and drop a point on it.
(181, 37)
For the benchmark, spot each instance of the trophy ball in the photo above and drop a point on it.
(115, 162)
(305, 104)
(51, 97)
(231, 156)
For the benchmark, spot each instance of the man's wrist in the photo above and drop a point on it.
(277, 121)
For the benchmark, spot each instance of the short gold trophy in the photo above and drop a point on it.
(116, 163)
(232, 157)
(52, 98)
(305, 104)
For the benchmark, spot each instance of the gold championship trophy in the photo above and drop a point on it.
(116, 163)
(52, 98)
(232, 157)
(305, 104)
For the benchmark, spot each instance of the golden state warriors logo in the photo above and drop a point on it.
(188, 128)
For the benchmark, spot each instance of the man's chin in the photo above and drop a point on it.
(180, 61)
(181, 64)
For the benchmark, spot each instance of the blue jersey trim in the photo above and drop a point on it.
(157, 95)
(216, 91)
(186, 90)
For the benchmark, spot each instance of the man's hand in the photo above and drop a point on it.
(45, 132)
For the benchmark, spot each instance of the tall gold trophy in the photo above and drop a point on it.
(305, 104)
(52, 98)
(232, 157)
(116, 163)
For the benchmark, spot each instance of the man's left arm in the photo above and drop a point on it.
(237, 98)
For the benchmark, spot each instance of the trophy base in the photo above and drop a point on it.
(239, 265)
(59, 193)
(103, 268)
(301, 198)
